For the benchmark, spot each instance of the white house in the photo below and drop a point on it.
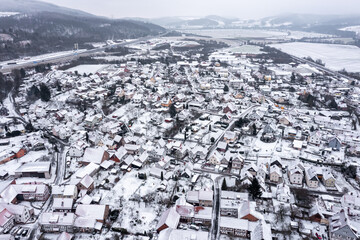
(275, 174)
(311, 178)
(283, 193)
(296, 175)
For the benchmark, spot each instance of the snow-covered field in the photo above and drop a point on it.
(87, 68)
(336, 57)
(250, 49)
(355, 29)
(255, 33)
(237, 33)
(8, 14)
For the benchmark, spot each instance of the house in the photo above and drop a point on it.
(351, 200)
(328, 179)
(230, 108)
(262, 171)
(86, 183)
(76, 151)
(222, 146)
(21, 213)
(316, 214)
(229, 136)
(132, 148)
(341, 227)
(334, 143)
(285, 120)
(247, 211)
(174, 234)
(262, 231)
(119, 155)
(70, 191)
(237, 162)
(62, 204)
(270, 128)
(91, 120)
(34, 169)
(234, 227)
(94, 155)
(57, 222)
(169, 219)
(297, 144)
(25, 192)
(205, 198)
(311, 178)
(275, 174)
(215, 158)
(141, 160)
(315, 138)
(97, 212)
(196, 215)
(230, 207)
(283, 193)
(7, 220)
(201, 198)
(296, 175)
(12, 153)
(198, 152)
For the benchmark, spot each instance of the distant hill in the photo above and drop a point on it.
(303, 22)
(212, 21)
(329, 24)
(41, 27)
(33, 6)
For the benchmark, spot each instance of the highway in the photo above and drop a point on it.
(71, 55)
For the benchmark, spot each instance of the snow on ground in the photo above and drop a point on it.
(8, 14)
(355, 29)
(111, 58)
(237, 33)
(125, 187)
(250, 49)
(87, 68)
(255, 33)
(335, 56)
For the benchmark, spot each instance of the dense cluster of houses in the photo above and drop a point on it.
(227, 115)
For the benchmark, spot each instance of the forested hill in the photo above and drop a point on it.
(35, 32)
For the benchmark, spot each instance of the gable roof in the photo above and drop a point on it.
(170, 218)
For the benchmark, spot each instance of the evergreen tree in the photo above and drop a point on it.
(293, 77)
(172, 110)
(254, 189)
(312, 129)
(45, 94)
(34, 93)
(254, 129)
(22, 73)
(162, 176)
(226, 88)
(224, 185)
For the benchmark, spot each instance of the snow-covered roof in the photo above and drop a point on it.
(170, 218)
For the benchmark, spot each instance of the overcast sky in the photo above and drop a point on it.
(244, 9)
